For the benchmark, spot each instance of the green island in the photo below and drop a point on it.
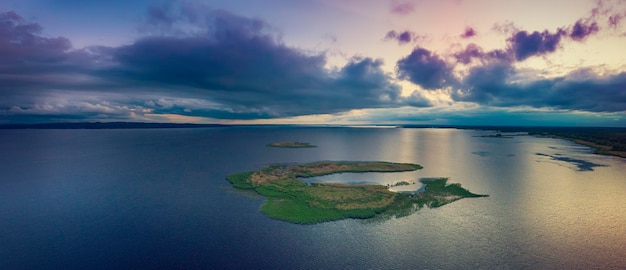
(291, 145)
(293, 200)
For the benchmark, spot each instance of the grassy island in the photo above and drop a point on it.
(291, 145)
(292, 200)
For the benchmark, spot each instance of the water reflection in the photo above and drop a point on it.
(158, 199)
(573, 211)
(581, 165)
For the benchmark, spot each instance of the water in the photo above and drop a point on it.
(157, 198)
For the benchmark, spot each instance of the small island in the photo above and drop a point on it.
(499, 135)
(291, 145)
(292, 200)
(401, 183)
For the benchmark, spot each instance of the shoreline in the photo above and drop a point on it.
(598, 149)
(606, 141)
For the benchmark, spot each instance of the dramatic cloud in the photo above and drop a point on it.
(494, 82)
(221, 65)
(402, 37)
(237, 64)
(190, 61)
(490, 77)
(426, 69)
(468, 33)
(523, 44)
(490, 85)
(582, 29)
(526, 44)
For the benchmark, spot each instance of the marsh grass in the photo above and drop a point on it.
(292, 200)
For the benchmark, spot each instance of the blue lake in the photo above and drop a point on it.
(158, 198)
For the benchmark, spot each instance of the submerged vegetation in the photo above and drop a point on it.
(292, 200)
(291, 145)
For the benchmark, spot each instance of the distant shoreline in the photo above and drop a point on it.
(107, 125)
(609, 141)
(291, 145)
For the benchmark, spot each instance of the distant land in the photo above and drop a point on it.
(106, 125)
(604, 140)
(291, 145)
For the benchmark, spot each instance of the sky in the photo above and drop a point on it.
(343, 62)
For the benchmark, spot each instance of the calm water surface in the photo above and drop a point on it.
(146, 199)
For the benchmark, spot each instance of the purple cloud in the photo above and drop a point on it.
(473, 51)
(580, 90)
(21, 41)
(426, 69)
(402, 8)
(582, 30)
(468, 33)
(230, 64)
(614, 20)
(470, 52)
(237, 63)
(525, 45)
(493, 80)
(402, 37)
(32, 62)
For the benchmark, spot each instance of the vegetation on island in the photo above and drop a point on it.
(291, 145)
(401, 183)
(292, 200)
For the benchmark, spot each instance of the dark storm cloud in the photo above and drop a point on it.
(231, 67)
(524, 44)
(235, 63)
(426, 69)
(490, 85)
(495, 82)
(468, 33)
(582, 29)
